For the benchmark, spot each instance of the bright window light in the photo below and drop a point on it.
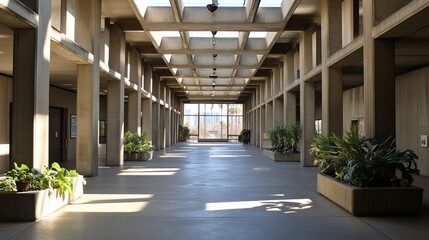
(222, 3)
(258, 35)
(208, 34)
(271, 3)
(156, 3)
(159, 35)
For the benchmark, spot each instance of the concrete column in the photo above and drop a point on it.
(289, 107)
(278, 111)
(307, 108)
(30, 128)
(276, 77)
(134, 98)
(269, 116)
(379, 81)
(316, 48)
(289, 68)
(263, 125)
(147, 104)
(115, 99)
(88, 17)
(305, 53)
(332, 97)
(156, 112)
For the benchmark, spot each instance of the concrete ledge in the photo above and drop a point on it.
(32, 205)
(371, 201)
(279, 157)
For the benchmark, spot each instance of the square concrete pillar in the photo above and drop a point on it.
(88, 17)
(30, 109)
(115, 123)
(307, 108)
(278, 111)
(290, 107)
(134, 97)
(379, 81)
(156, 124)
(147, 118)
(332, 99)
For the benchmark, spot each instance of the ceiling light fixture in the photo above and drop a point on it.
(213, 6)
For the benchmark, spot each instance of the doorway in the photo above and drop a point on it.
(56, 135)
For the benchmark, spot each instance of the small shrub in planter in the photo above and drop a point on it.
(359, 174)
(284, 138)
(244, 136)
(184, 133)
(363, 162)
(136, 146)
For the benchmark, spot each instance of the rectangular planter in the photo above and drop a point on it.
(138, 156)
(279, 157)
(371, 201)
(32, 205)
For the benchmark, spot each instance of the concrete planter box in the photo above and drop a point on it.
(279, 157)
(32, 205)
(371, 201)
(138, 156)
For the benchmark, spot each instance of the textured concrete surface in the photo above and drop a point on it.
(211, 191)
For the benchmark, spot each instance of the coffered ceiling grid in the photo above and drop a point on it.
(180, 32)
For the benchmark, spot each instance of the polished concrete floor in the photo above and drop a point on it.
(216, 191)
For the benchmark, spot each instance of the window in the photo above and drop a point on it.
(214, 121)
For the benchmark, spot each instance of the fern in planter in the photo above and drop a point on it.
(363, 162)
(285, 138)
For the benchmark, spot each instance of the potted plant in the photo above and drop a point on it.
(244, 136)
(47, 191)
(184, 133)
(147, 150)
(136, 147)
(22, 177)
(360, 174)
(284, 143)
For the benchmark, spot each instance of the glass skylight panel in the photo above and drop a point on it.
(156, 3)
(158, 35)
(143, 4)
(257, 34)
(271, 3)
(208, 34)
(222, 3)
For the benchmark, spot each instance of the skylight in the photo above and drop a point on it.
(271, 3)
(257, 34)
(158, 35)
(208, 34)
(222, 3)
(156, 3)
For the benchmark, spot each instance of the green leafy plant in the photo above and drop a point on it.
(134, 143)
(7, 184)
(20, 173)
(363, 162)
(184, 133)
(244, 136)
(52, 178)
(285, 138)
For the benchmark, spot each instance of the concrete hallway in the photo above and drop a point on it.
(213, 191)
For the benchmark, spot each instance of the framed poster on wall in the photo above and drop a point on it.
(73, 127)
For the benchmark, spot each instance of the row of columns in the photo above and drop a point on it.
(30, 111)
(314, 49)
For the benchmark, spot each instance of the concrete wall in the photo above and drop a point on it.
(353, 108)
(412, 114)
(5, 100)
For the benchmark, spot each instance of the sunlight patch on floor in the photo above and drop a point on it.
(229, 156)
(109, 203)
(149, 172)
(274, 205)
